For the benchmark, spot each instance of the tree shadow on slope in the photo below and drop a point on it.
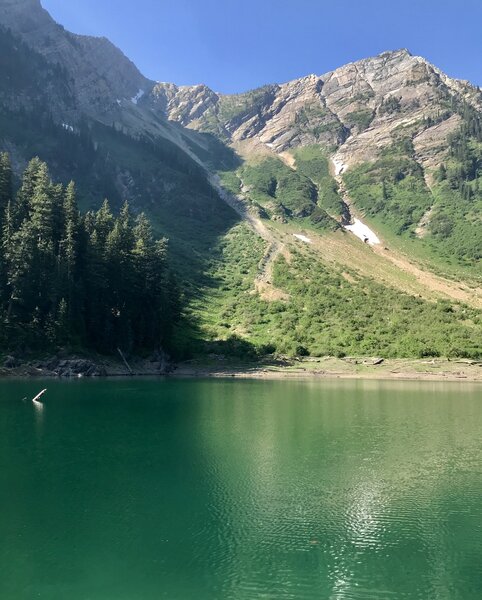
(156, 177)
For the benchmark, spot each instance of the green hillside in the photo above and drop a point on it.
(325, 311)
(393, 192)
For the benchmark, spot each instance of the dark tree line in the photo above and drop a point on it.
(96, 281)
(463, 148)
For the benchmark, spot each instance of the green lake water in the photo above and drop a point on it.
(206, 490)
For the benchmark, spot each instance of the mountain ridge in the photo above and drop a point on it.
(399, 51)
(366, 80)
(309, 109)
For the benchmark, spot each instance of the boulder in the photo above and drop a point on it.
(11, 362)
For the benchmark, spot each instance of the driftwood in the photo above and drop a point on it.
(38, 396)
(125, 361)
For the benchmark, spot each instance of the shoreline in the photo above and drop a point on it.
(362, 368)
(309, 368)
(465, 375)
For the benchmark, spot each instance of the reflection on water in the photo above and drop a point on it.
(242, 490)
(38, 408)
(356, 477)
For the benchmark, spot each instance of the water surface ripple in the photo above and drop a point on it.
(240, 490)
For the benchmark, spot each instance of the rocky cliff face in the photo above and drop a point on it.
(280, 116)
(356, 110)
(103, 80)
(184, 104)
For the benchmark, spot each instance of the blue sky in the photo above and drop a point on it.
(236, 45)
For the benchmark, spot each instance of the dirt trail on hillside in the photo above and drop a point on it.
(275, 247)
(263, 281)
(264, 277)
(456, 290)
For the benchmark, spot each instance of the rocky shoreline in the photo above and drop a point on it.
(159, 365)
(81, 366)
(366, 368)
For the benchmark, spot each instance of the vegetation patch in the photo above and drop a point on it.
(284, 192)
(329, 311)
(360, 119)
(392, 191)
(312, 162)
(392, 188)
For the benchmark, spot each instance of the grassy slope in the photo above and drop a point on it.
(329, 310)
(339, 297)
(343, 298)
(393, 197)
(281, 193)
(313, 163)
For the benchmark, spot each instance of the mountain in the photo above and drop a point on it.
(356, 108)
(75, 101)
(334, 214)
(98, 72)
(389, 121)
(100, 81)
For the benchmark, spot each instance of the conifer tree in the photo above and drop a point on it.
(5, 209)
(101, 281)
(5, 182)
(25, 193)
(70, 234)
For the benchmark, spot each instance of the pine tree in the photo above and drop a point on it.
(7, 231)
(42, 210)
(23, 272)
(69, 261)
(25, 193)
(98, 280)
(5, 182)
(5, 211)
(70, 235)
(119, 246)
(149, 275)
(104, 222)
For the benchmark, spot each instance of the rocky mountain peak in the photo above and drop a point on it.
(25, 16)
(358, 108)
(184, 104)
(102, 77)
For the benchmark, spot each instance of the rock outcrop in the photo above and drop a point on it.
(99, 71)
(357, 109)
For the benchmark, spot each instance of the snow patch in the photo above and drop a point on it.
(303, 238)
(339, 167)
(363, 232)
(118, 102)
(68, 127)
(137, 97)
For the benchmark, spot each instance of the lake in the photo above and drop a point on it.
(224, 489)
